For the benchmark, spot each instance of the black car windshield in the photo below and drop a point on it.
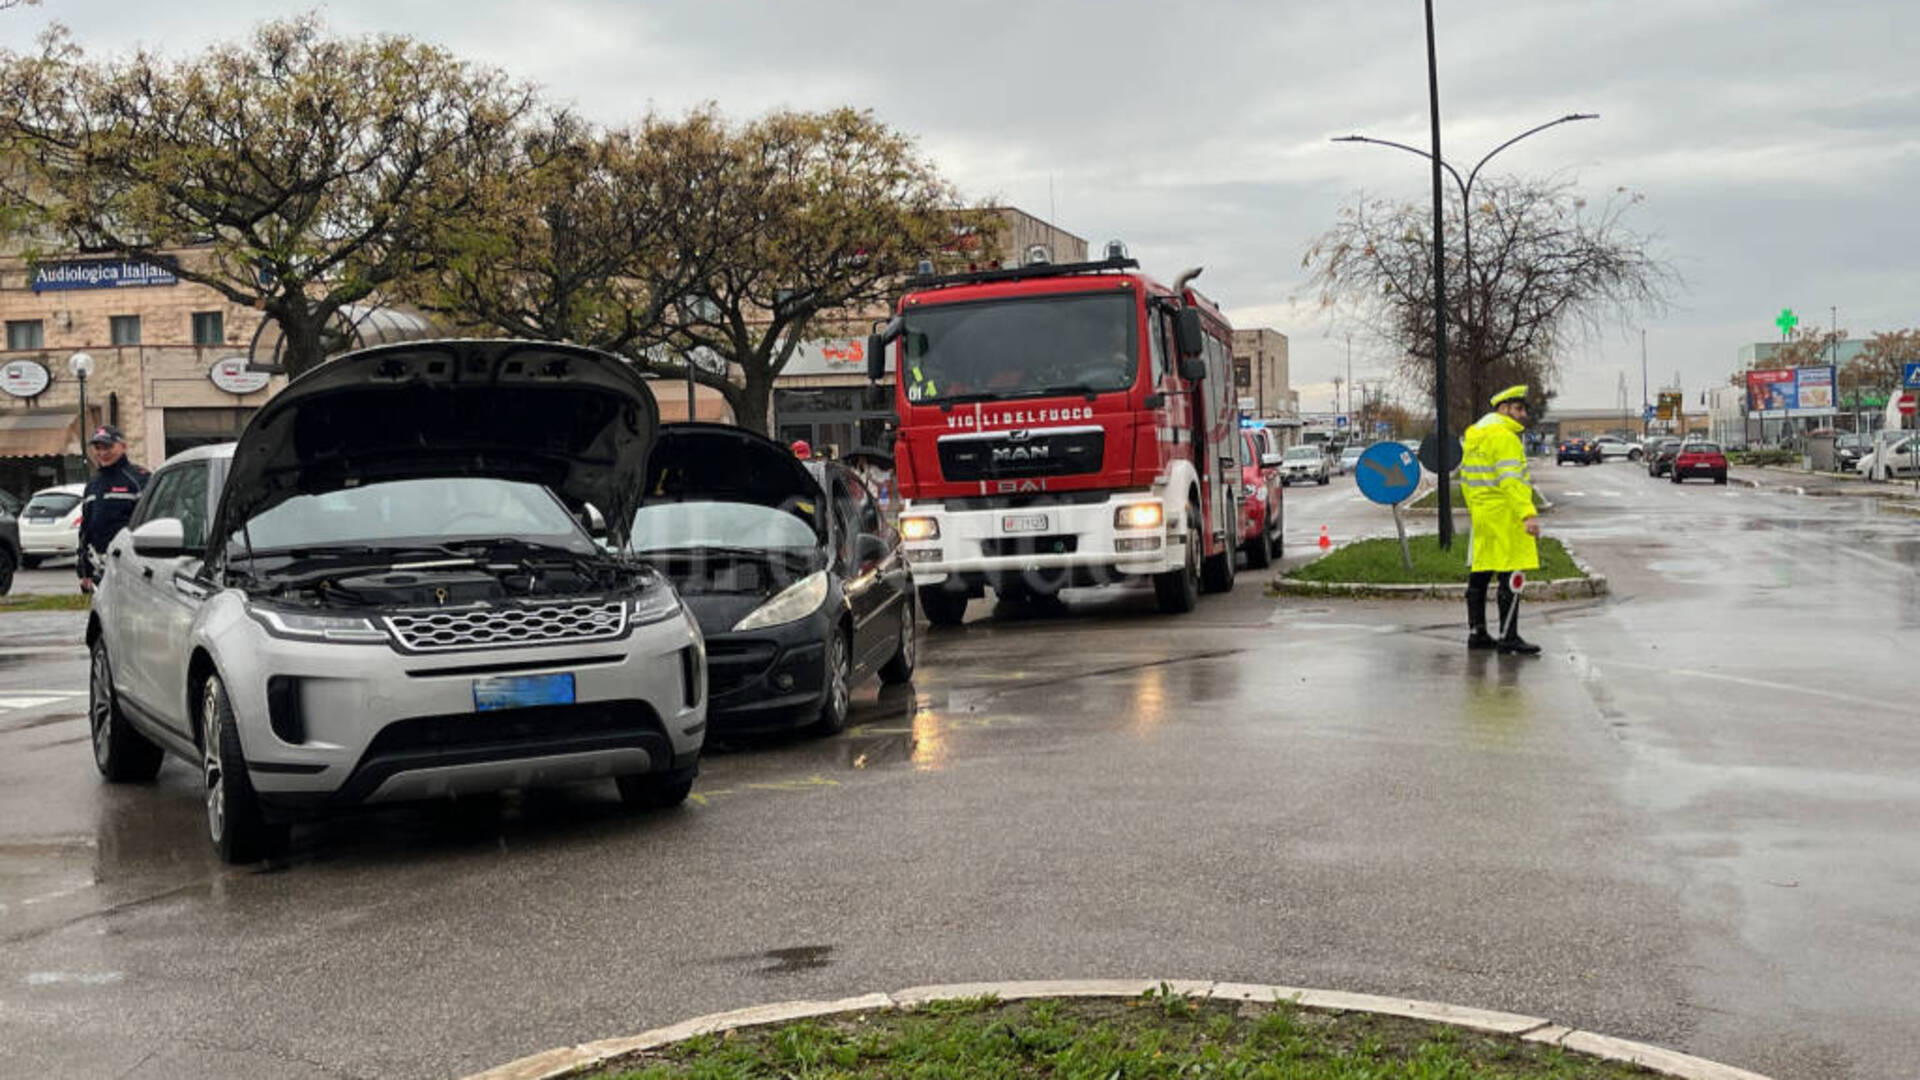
(402, 513)
(680, 526)
(1075, 343)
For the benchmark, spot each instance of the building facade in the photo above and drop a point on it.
(168, 364)
(1260, 373)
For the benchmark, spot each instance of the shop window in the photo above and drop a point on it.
(209, 328)
(26, 334)
(126, 329)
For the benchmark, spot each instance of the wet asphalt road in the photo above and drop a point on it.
(1688, 823)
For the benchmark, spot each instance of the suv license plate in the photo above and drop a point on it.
(522, 691)
(1024, 523)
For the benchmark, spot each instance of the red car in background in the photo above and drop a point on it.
(1700, 459)
(1261, 514)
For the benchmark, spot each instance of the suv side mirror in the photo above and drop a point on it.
(162, 538)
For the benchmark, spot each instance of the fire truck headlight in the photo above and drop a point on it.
(1139, 516)
(919, 528)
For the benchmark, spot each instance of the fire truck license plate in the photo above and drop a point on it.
(1024, 523)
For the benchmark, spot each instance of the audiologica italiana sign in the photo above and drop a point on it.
(99, 274)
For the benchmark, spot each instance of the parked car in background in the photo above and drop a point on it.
(1305, 462)
(1261, 511)
(1902, 457)
(1849, 448)
(1579, 451)
(1349, 458)
(50, 524)
(1699, 459)
(796, 578)
(9, 542)
(1660, 454)
(1613, 446)
(385, 592)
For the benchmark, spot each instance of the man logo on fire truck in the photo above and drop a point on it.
(1061, 426)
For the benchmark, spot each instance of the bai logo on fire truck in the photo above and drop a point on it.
(1011, 417)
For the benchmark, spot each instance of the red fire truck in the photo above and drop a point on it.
(1059, 426)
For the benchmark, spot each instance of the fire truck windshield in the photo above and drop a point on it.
(1027, 347)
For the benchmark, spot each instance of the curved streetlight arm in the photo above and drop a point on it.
(1411, 150)
(1567, 119)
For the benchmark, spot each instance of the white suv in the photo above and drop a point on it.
(384, 591)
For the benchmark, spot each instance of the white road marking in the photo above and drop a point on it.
(1608, 494)
(56, 978)
(33, 699)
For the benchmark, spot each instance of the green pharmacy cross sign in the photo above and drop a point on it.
(1786, 322)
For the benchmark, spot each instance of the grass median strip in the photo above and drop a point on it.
(75, 601)
(1377, 562)
(1161, 1036)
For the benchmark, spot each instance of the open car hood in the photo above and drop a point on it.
(574, 420)
(717, 463)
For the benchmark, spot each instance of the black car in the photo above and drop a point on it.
(1660, 454)
(793, 573)
(1579, 451)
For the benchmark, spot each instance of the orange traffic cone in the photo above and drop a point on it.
(1325, 541)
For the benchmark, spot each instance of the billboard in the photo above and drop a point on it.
(1785, 392)
(1670, 407)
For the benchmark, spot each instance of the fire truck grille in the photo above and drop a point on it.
(1070, 453)
(480, 628)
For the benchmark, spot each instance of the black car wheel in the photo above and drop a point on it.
(839, 702)
(7, 563)
(900, 669)
(236, 824)
(120, 753)
(30, 562)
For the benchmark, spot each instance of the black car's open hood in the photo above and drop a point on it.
(574, 420)
(717, 463)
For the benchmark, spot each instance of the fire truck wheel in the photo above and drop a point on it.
(1260, 551)
(1178, 591)
(1218, 574)
(943, 606)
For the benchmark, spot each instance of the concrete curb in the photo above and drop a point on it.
(572, 1060)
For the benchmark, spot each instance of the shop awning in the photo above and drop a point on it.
(39, 434)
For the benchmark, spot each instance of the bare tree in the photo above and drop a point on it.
(1546, 269)
(311, 171)
(1879, 365)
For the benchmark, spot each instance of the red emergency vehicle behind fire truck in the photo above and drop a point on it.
(1062, 425)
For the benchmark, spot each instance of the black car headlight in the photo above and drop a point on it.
(796, 601)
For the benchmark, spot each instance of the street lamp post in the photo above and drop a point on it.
(81, 365)
(1465, 184)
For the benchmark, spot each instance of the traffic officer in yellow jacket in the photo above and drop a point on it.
(1499, 491)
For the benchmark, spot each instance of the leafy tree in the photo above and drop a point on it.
(841, 208)
(1880, 363)
(1545, 269)
(588, 236)
(311, 171)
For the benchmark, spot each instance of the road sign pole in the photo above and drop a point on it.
(1400, 524)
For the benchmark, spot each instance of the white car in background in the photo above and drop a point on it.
(1613, 447)
(1350, 458)
(50, 524)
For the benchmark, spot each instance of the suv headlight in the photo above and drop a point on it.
(656, 604)
(796, 601)
(303, 626)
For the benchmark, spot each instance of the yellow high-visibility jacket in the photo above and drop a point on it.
(1498, 488)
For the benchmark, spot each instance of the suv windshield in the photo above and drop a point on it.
(1304, 453)
(1076, 343)
(684, 525)
(402, 512)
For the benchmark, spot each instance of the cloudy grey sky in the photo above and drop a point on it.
(1777, 143)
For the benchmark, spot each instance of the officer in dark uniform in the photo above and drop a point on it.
(108, 504)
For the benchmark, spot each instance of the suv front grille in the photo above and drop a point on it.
(497, 627)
